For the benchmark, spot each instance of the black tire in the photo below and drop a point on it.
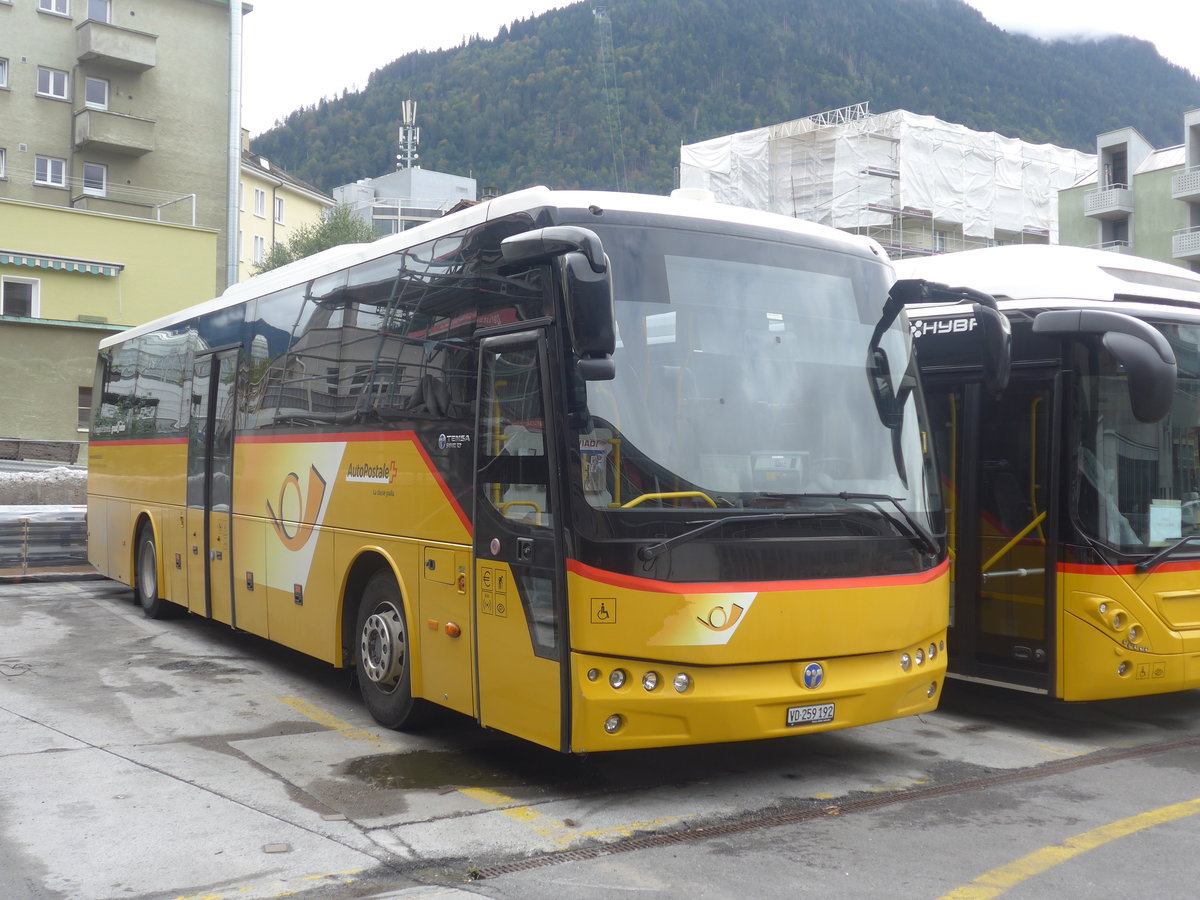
(383, 656)
(146, 579)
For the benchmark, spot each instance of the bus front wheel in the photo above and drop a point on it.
(384, 655)
(154, 606)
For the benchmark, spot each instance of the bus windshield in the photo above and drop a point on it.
(1137, 485)
(742, 382)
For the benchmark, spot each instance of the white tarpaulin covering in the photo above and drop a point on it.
(859, 173)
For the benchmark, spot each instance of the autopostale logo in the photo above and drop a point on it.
(371, 473)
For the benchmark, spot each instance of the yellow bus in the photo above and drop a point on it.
(1073, 497)
(602, 471)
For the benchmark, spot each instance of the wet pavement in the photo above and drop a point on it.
(179, 759)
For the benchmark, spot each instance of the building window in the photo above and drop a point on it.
(260, 249)
(941, 240)
(241, 196)
(100, 10)
(85, 409)
(279, 210)
(3, 73)
(52, 83)
(95, 179)
(95, 93)
(62, 7)
(19, 297)
(260, 202)
(3, 162)
(50, 171)
(241, 246)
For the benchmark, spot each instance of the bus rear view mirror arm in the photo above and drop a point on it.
(1140, 348)
(586, 287)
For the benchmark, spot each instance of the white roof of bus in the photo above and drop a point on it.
(1055, 271)
(346, 255)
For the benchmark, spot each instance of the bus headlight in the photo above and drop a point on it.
(650, 681)
(932, 652)
(1134, 634)
(1123, 668)
(682, 682)
(613, 724)
(905, 662)
(920, 657)
(616, 678)
(1118, 622)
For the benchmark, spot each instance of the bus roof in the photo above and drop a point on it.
(1054, 271)
(535, 198)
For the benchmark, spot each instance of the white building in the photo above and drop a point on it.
(405, 198)
(916, 184)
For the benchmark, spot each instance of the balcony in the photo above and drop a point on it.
(1185, 185)
(1112, 202)
(1185, 243)
(121, 48)
(1113, 247)
(99, 129)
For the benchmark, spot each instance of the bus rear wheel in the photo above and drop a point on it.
(384, 655)
(154, 606)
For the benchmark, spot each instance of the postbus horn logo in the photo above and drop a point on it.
(297, 538)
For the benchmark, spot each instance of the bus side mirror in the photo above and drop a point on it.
(587, 290)
(995, 332)
(996, 343)
(1146, 355)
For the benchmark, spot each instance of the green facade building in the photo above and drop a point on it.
(1140, 200)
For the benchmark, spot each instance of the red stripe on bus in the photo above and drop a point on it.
(634, 582)
(351, 437)
(1092, 569)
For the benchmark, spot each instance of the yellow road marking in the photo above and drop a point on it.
(333, 723)
(998, 880)
(546, 827)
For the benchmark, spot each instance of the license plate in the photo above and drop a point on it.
(810, 715)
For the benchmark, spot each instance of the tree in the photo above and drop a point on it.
(338, 225)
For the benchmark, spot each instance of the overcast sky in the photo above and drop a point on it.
(296, 52)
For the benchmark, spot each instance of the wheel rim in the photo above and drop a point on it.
(148, 569)
(382, 646)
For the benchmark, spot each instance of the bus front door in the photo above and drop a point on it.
(210, 486)
(519, 604)
(994, 455)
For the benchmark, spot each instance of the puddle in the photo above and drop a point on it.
(511, 771)
(205, 667)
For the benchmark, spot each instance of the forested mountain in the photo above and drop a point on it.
(529, 106)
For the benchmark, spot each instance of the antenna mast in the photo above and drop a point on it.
(410, 136)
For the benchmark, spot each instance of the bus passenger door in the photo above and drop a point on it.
(994, 456)
(519, 607)
(210, 487)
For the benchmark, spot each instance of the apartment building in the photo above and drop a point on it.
(114, 123)
(1139, 199)
(272, 205)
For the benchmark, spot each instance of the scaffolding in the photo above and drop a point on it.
(916, 184)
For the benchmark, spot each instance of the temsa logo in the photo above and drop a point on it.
(307, 505)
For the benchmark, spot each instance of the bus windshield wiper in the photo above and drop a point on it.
(1166, 552)
(922, 534)
(656, 550)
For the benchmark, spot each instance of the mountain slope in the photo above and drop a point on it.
(528, 107)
